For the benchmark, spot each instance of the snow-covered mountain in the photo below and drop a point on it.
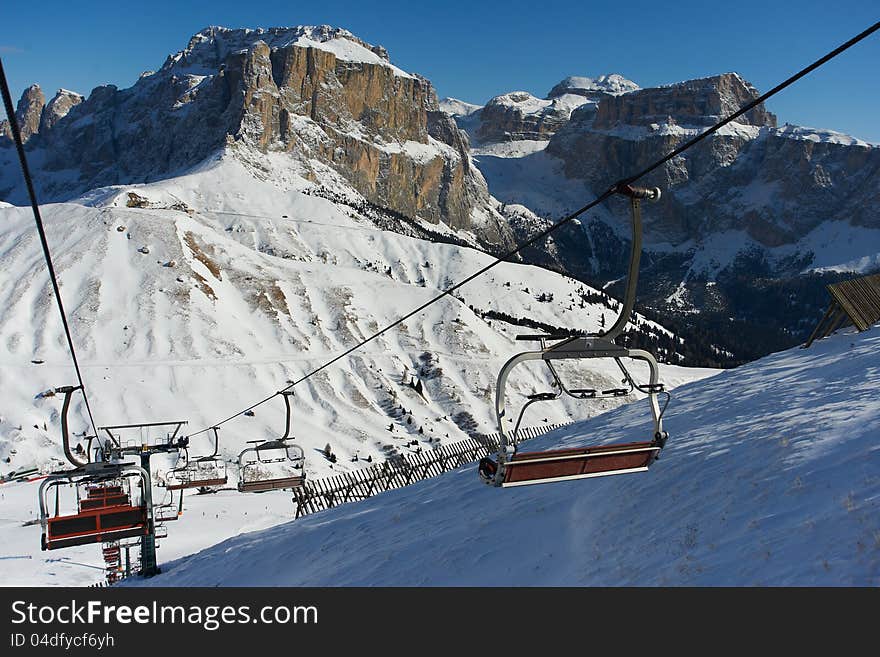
(270, 197)
(771, 477)
(753, 222)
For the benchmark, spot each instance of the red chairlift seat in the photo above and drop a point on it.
(104, 496)
(105, 514)
(197, 475)
(96, 526)
(577, 463)
(261, 485)
(250, 462)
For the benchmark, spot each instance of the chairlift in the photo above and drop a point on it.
(273, 464)
(168, 511)
(105, 510)
(200, 472)
(512, 468)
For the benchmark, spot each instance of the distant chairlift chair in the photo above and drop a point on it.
(510, 468)
(278, 453)
(201, 472)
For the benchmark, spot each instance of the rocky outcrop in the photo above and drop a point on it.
(57, 108)
(319, 94)
(27, 114)
(519, 115)
(773, 184)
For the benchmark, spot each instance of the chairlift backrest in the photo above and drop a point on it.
(104, 513)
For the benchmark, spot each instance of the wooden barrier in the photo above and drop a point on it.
(319, 494)
(856, 302)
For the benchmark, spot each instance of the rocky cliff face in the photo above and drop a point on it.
(27, 113)
(701, 102)
(334, 103)
(519, 115)
(772, 185)
(58, 108)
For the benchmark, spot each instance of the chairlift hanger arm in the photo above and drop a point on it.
(635, 195)
(216, 445)
(65, 427)
(287, 394)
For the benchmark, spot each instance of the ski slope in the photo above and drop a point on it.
(218, 291)
(771, 477)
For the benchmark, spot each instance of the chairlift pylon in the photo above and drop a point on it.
(513, 468)
(284, 462)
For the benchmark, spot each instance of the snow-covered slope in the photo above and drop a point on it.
(215, 291)
(457, 108)
(193, 315)
(771, 477)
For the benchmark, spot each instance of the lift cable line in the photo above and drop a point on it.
(19, 146)
(611, 191)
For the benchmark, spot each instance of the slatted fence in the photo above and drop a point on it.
(856, 302)
(319, 494)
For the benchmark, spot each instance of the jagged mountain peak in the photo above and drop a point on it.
(611, 83)
(27, 113)
(700, 101)
(209, 47)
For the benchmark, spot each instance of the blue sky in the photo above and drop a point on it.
(475, 50)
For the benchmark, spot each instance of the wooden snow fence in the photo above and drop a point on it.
(856, 302)
(319, 494)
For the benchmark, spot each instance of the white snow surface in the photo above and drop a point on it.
(457, 107)
(820, 135)
(523, 101)
(613, 83)
(771, 477)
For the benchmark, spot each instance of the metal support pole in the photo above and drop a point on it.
(148, 542)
